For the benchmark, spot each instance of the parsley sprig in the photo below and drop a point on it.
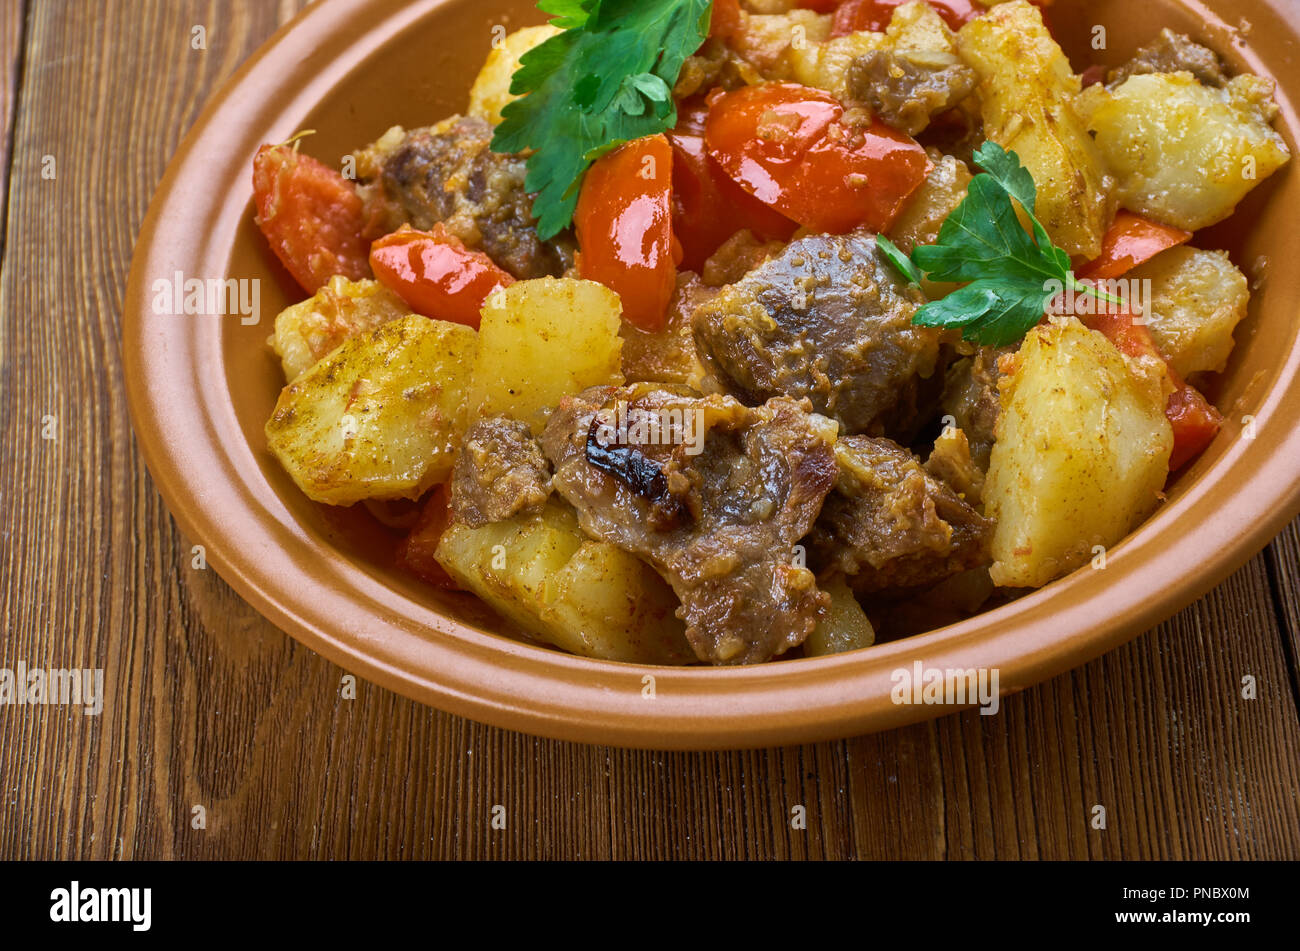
(1007, 272)
(607, 79)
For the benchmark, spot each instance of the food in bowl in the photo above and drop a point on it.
(720, 332)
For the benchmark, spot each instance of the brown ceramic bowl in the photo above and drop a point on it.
(201, 389)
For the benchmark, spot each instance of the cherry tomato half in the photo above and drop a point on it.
(785, 145)
(1131, 240)
(311, 216)
(708, 207)
(625, 228)
(852, 16)
(436, 274)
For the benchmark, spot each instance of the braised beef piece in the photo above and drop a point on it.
(668, 355)
(500, 472)
(713, 494)
(739, 255)
(906, 87)
(1171, 53)
(971, 398)
(827, 319)
(890, 524)
(450, 174)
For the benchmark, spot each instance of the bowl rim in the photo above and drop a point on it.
(185, 424)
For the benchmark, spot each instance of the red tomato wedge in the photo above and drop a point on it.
(725, 21)
(874, 15)
(785, 145)
(436, 274)
(1194, 420)
(311, 216)
(819, 6)
(624, 223)
(852, 16)
(415, 553)
(1130, 241)
(708, 207)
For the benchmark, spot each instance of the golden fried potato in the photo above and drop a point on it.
(845, 626)
(1184, 153)
(1027, 93)
(541, 341)
(584, 596)
(1197, 300)
(914, 26)
(491, 90)
(380, 416)
(341, 309)
(938, 197)
(1081, 457)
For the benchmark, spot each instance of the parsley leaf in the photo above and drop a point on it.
(1008, 274)
(607, 79)
(900, 260)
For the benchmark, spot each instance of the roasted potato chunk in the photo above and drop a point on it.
(543, 340)
(491, 90)
(1184, 153)
(583, 596)
(1081, 456)
(1027, 93)
(1197, 300)
(845, 626)
(938, 197)
(341, 309)
(380, 416)
(914, 27)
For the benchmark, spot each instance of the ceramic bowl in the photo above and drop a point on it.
(201, 388)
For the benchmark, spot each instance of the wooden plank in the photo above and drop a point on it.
(12, 18)
(1284, 565)
(210, 705)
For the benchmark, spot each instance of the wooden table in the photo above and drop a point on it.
(207, 704)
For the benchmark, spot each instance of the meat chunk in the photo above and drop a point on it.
(890, 524)
(450, 174)
(500, 472)
(828, 320)
(713, 495)
(739, 255)
(668, 355)
(1172, 53)
(971, 398)
(906, 87)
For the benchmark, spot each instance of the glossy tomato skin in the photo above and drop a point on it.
(1130, 241)
(311, 217)
(819, 6)
(416, 553)
(436, 274)
(785, 145)
(1194, 420)
(708, 207)
(852, 16)
(624, 223)
(725, 21)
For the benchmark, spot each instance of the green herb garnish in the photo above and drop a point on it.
(607, 79)
(1010, 276)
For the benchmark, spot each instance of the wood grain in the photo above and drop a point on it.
(209, 705)
(13, 15)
